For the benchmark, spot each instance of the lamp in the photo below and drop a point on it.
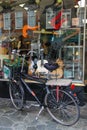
(76, 6)
(22, 5)
(37, 1)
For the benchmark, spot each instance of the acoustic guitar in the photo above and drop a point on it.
(58, 73)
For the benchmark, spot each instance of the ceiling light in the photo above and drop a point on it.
(76, 6)
(35, 11)
(26, 8)
(21, 5)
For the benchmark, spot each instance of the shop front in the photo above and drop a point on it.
(64, 41)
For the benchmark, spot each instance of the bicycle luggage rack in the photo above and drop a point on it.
(59, 82)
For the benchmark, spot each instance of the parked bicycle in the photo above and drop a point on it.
(59, 103)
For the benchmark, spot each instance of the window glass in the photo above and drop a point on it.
(31, 18)
(7, 21)
(18, 20)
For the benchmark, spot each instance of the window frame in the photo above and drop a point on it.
(7, 21)
(31, 18)
(18, 19)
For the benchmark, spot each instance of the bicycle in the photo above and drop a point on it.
(59, 103)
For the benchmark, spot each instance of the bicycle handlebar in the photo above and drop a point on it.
(16, 52)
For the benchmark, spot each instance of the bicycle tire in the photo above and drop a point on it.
(62, 108)
(16, 93)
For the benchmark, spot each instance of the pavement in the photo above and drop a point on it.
(12, 119)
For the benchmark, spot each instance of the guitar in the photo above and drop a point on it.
(31, 68)
(40, 64)
(58, 73)
(61, 41)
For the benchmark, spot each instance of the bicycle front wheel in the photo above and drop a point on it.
(16, 94)
(62, 107)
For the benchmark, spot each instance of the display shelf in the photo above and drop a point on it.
(73, 62)
(3, 79)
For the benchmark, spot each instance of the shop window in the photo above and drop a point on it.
(66, 15)
(18, 20)
(31, 18)
(49, 16)
(73, 62)
(57, 19)
(81, 16)
(7, 21)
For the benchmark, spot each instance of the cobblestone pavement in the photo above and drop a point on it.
(11, 119)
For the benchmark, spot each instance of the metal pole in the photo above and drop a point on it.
(84, 37)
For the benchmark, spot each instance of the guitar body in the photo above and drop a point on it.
(58, 73)
(30, 68)
(41, 68)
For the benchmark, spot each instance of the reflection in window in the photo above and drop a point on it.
(67, 17)
(7, 21)
(31, 18)
(49, 16)
(18, 20)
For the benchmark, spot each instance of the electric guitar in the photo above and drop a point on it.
(40, 64)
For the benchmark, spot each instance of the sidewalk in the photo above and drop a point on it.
(11, 119)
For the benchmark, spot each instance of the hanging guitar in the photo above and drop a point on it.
(59, 42)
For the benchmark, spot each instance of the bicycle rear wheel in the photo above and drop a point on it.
(16, 94)
(62, 107)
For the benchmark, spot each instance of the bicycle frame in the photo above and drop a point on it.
(55, 99)
(27, 86)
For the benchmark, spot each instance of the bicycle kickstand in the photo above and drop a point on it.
(42, 108)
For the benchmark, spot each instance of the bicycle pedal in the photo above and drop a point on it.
(42, 108)
(27, 106)
(36, 118)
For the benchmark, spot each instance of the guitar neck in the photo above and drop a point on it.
(42, 57)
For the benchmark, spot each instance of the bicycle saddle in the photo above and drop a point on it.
(51, 66)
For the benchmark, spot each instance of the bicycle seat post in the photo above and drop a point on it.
(23, 59)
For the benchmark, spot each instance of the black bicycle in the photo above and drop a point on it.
(60, 103)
